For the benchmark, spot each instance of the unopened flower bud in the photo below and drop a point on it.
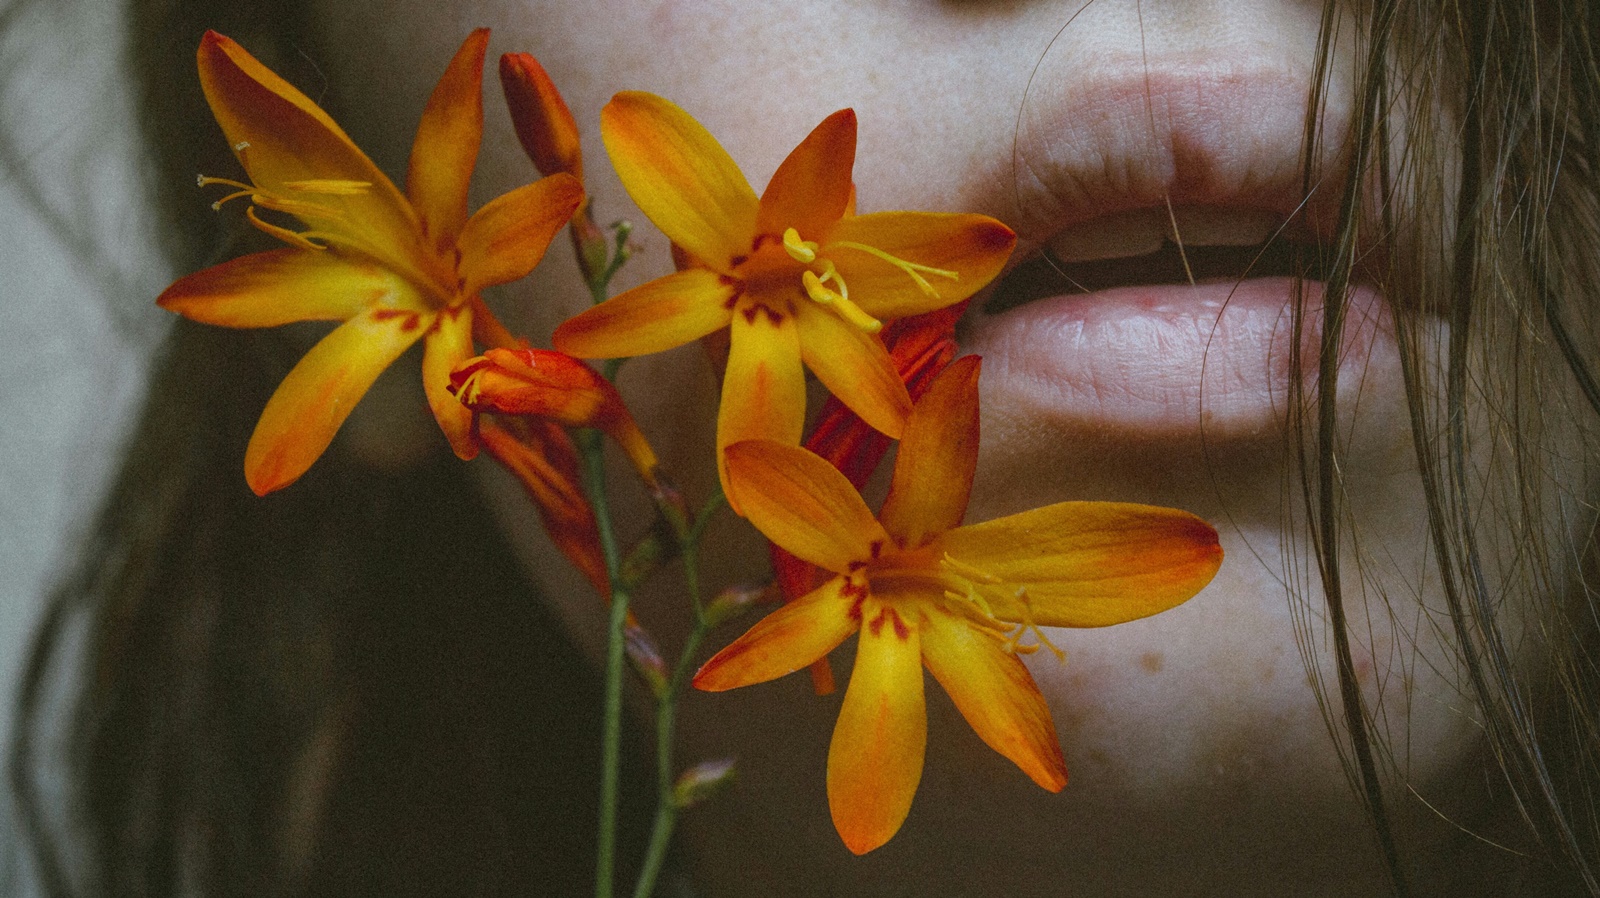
(702, 781)
(645, 657)
(545, 384)
(542, 120)
(736, 600)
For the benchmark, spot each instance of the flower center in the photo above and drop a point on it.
(808, 252)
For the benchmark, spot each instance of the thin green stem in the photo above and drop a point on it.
(594, 484)
(667, 806)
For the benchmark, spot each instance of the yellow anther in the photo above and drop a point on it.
(803, 251)
(840, 303)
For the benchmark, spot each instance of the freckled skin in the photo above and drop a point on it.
(1192, 770)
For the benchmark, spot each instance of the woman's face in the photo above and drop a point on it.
(1200, 758)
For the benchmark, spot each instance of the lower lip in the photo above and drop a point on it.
(1213, 360)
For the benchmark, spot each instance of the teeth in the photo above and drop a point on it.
(1116, 236)
(1143, 231)
(1209, 226)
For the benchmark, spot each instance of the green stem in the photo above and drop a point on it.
(666, 725)
(594, 485)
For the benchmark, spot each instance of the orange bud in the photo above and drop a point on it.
(543, 122)
(542, 383)
(541, 456)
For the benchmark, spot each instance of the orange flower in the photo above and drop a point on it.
(795, 277)
(921, 589)
(395, 268)
(921, 346)
(553, 386)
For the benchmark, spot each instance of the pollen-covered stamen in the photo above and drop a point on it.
(912, 269)
(840, 301)
(1008, 609)
(1025, 626)
(802, 251)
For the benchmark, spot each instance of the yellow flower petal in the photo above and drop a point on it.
(938, 456)
(660, 315)
(446, 146)
(995, 693)
(1089, 564)
(506, 238)
(282, 138)
(802, 503)
(875, 758)
(792, 637)
(449, 343)
(279, 286)
(680, 177)
(764, 387)
(855, 367)
(811, 189)
(302, 416)
(974, 246)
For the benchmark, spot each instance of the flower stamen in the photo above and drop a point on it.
(1016, 624)
(912, 269)
(839, 301)
(802, 251)
(298, 208)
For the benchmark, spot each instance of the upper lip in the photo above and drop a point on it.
(1155, 133)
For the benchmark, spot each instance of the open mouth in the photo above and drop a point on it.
(1155, 247)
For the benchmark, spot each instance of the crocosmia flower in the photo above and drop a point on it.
(798, 279)
(394, 267)
(921, 589)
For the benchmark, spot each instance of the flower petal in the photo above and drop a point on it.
(279, 286)
(802, 503)
(937, 459)
(542, 458)
(793, 636)
(282, 138)
(446, 147)
(660, 315)
(543, 123)
(680, 177)
(508, 236)
(764, 387)
(855, 367)
(449, 343)
(875, 758)
(1089, 564)
(976, 247)
(306, 410)
(811, 189)
(995, 693)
